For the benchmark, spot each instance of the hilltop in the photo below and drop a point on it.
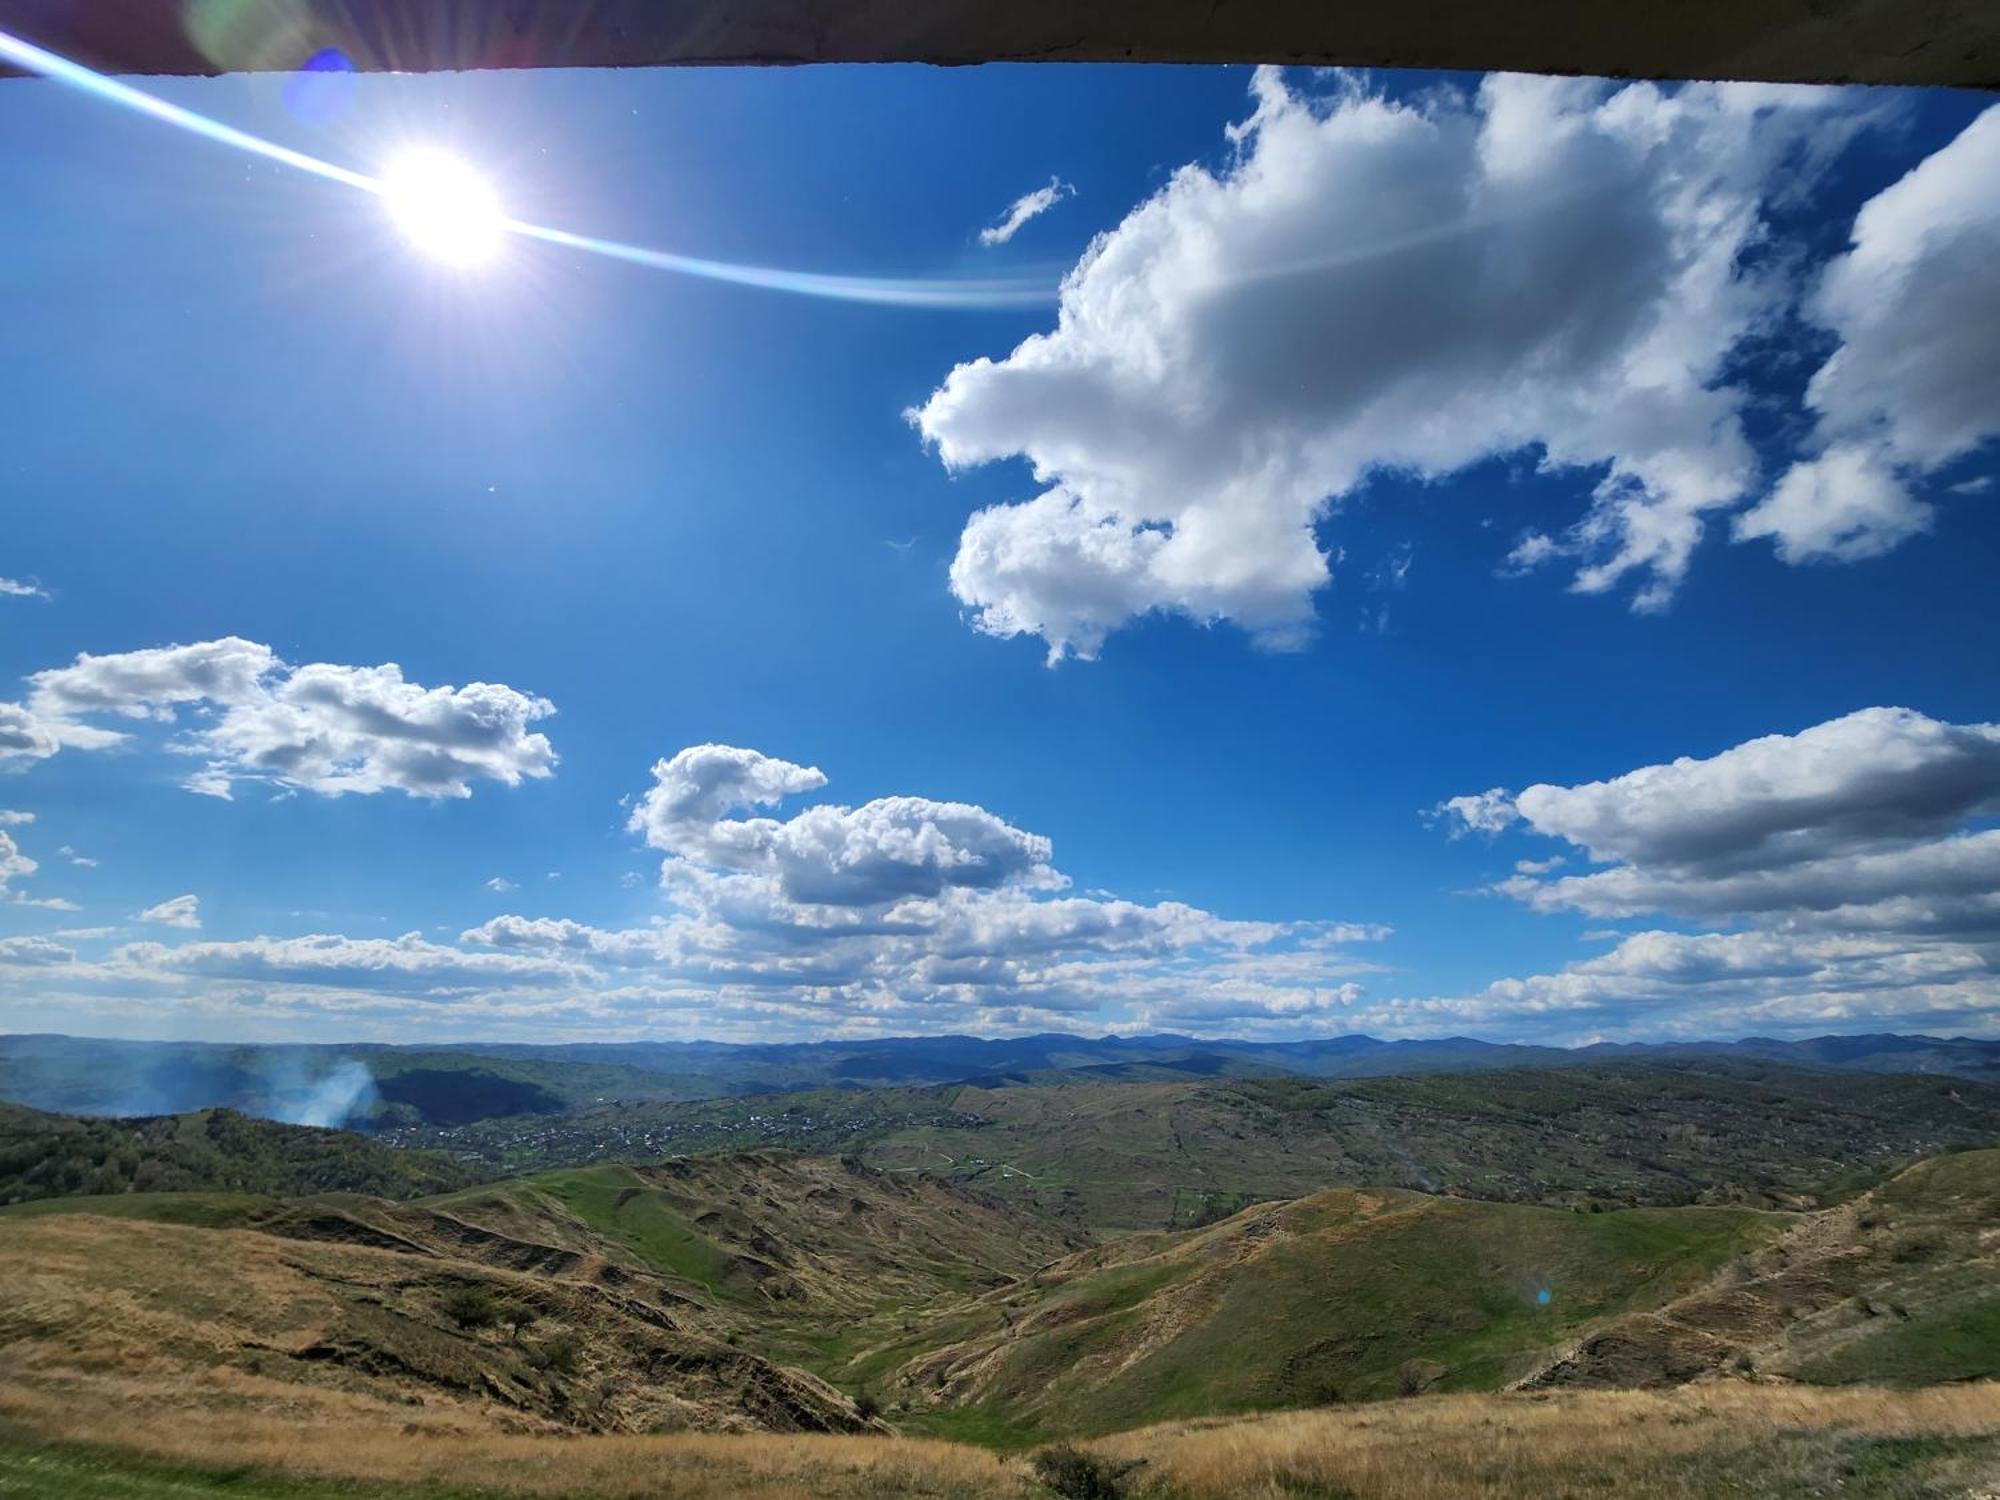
(53, 1156)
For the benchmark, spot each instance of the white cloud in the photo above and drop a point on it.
(1487, 812)
(902, 914)
(1843, 506)
(319, 727)
(14, 588)
(1876, 776)
(9, 818)
(1022, 209)
(1555, 265)
(23, 737)
(27, 952)
(891, 848)
(406, 965)
(178, 911)
(79, 860)
(500, 885)
(14, 864)
(1915, 382)
(1850, 859)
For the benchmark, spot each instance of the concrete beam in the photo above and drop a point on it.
(1953, 42)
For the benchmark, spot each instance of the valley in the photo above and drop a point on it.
(955, 1277)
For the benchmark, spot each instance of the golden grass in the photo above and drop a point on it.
(1636, 1445)
(1513, 1445)
(357, 1440)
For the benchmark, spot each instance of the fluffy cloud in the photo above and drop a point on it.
(920, 914)
(23, 737)
(9, 818)
(13, 863)
(1550, 264)
(882, 851)
(14, 588)
(1849, 859)
(1022, 209)
(178, 911)
(324, 728)
(1915, 382)
(902, 914)
(1882, 775)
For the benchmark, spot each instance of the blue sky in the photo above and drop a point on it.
(1324, 488)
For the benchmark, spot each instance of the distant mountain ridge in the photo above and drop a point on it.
(377, 1084)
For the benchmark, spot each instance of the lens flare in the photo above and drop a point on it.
(444, 207)
(486, 221)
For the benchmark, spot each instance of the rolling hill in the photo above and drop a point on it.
(373, 1085)
(53, 1156)
(1123, 1156)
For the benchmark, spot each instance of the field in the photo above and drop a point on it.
(1740, 1442)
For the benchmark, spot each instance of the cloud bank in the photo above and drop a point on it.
(1846, 873)
(250, 717)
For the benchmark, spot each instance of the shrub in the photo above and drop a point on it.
(559, 1355)
(866, 1406)
(1077, 1475)
(472, 1307)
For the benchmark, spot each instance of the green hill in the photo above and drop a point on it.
(1345, 1295)
(1901, 1286)
(1122, 1156)
(54, 1156)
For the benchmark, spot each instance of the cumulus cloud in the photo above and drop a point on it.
(14, 865)
(1844, 872)
(1022, 209)
(10, 818)
(178, 911)
(1915, 381)
(319, 727)
(1488, 812)
(23, 737)
(1845, 505)
(888, 849)
(897, 915)
(1548, 265)
(1878, 776)
(14, 588)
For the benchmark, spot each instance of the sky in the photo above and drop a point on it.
(1246, 553)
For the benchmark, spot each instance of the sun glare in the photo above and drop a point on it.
(444, 207)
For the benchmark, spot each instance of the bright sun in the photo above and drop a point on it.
(444, 207)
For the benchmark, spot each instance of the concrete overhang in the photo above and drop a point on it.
(1949, 42)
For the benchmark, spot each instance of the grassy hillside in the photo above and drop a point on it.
(1346, 1295)
(1123, 1156)
(748, 1292)
(1763, 1443)
(50, 1156)
(1901, 1286)
(323, 1310)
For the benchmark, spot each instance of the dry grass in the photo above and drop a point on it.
(357, 1440)
(1715, 1439)
(1695, 1440)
